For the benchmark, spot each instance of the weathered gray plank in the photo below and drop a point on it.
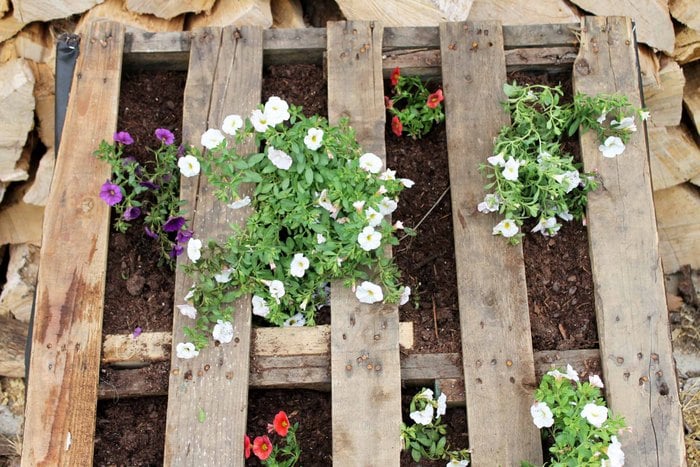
(629, 284)
(496, 344)
(225, 77)
(365, 367)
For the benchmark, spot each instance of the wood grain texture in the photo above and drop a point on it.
(65, 359)
(496, 344)
(365, 366)
(13, 339)
(225, 77)
(633, 329)
(678, 217)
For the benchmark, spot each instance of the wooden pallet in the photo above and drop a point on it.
(357, 356)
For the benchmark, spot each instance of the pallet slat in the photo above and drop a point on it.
(498, 363)
(225, 77)
(66, 343)
(633, 329)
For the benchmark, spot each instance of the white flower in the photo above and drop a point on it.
(320, 238)
(240, 203)
(259, 120)
(300, 264)
(388, 174)
(382, 190)
(358, 205)
(232, 123)
(398, 225)
(547, 227)
(570, 179)
(566, 215)
(644, 115)
(405, 295)
(407, 182)
(188, 310)
(596, 415)
(387, 206)
(544, 157)
(224, 276)
(374, 218)
(189, 165)
(260, 307)
(276, 110)
(613, 146)
(296, 320)
(497, 160)
(194, 249)
(506, 227)
(369, 239)
(457, 463)
(190, 294)
(571, 374)
(325, 202)
(212, 138)
(616, 458)
(276, 290)
(626, 123)
(556, 374)
(313, 138)
(510, 169)
(279, 159)
(423, 417)
(223, 331)
(491, 203)
(441, 404)
(186, 350)
(542, 415)
(370, 162)
(602, 117)
(595, 381)
(427, 394)
(368, 292)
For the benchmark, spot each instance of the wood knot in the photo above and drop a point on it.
(583, 67)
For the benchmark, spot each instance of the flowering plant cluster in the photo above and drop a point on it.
(151, 190)
(414, 108)
(425, 438)
(574, 412)
(285, 453)
(320, 212)
(531, 176)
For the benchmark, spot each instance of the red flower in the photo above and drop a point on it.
(388, 103)
(396, 125)
(246, 445)
(395, 75)
(262, 447)
(435, 98)
(281, 423)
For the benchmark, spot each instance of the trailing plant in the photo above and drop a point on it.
(414, 109)
(285, 453)
(530, 174)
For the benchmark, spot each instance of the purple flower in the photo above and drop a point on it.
(180, 151)
(129, 160)
(132, 213)
(167, 178)
(149, 184)
(137, 332)
(123, 137)
(183, 236)
(176, 251)
(165, 136)
(150, 233)
(111, 193)
(174, 224)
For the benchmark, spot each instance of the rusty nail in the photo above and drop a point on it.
(229, 375)
(348, 367)
(369, 366)
(509, 363)
(206, 367)
(620, 360)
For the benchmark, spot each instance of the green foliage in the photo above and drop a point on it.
(414, 109)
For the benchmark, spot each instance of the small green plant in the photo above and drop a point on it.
(415, 109)
(283, 454)
(425, 438)
(573, 414)
(530, 175)
(151, 190)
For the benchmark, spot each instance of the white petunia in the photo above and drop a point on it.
(388, 174)
(497, 160)
(374, 218)
(368, 292)
(542, 415)
(491, 203)
(194, 249)
(320, 238)
(596, 415)
(423, 417)
(457, 463)
(260, 307)
(602, 118)
(398, 225)
(223, 331)
(189, 166)
(313, 138)
(259, 120)
(387, 206)
(186, 350)
(276, 110)
(188, 310)
(279, 158)
(644, 115)
(232, 123)
(296, 320)
(506, 227)
(570, 179)
(405, 295)
(427, 394)
(325, 202)
(370, 163)
(626, 124)
(616, 458)
(382, 190)
(510, 169)
(566, 215)
(547, 227)
(224, 276)
(407, 182)
(595, 381)
(369, 239)
(556, 374)
(276, 289)
(613, 146)
(571, 374)
(241, 203)
(190, 294)
(300, 264)
(441, 404)
(212, 138)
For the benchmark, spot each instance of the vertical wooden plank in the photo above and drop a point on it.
(633, 327)
(208, 395)
(65, 361)
(497, 355)
(365, 366)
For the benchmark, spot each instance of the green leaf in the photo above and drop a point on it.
(201, 415)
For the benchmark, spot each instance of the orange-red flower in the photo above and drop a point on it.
(396, 125)
(281, 423)
(262, 447)
(435, 98)
(246, 446)
(395, 76)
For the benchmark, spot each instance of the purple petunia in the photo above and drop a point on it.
(137, 332)
(174, 224)
(129, 160)
(149, 184)
(132, 213)
(165, 136)
(180, 151)
(111, 193)
(176, 251)
(183, 236)
(123, 137)
(150, 233)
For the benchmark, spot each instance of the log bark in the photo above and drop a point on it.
(511, 12)
(16, 113)
(665, 102)
(675, 157)
(13, 339)
(168, 9)
(287, 14)
(18, 293)
(29, 11)
(687, 12)
(691, 94)
(687, 47)
(406, 12)
(115, 10)
(240, 13)
(678, 218)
